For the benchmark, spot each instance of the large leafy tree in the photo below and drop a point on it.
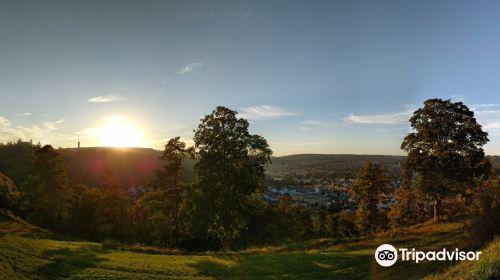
(230, 169)
(445, 150)
(367, 190)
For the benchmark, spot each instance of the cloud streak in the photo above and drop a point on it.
(106, 99)
(265, 112)
(386, 118)
(310, 124)
(488, 115)
(46, 131)
(23, 114)
(489, 118)
(192, 67)
(52, 125)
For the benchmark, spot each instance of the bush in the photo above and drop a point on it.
(8, 192)
(484, 222)
(111, 244)
(405, 211)
(341, 225)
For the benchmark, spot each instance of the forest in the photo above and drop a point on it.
(209, 196)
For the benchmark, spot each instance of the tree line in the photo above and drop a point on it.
(445, 177)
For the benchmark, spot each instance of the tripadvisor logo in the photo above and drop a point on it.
(387, 255)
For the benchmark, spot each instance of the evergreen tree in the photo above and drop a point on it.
(15, 161)
(49, 194)
(366, 190)
(164, 199)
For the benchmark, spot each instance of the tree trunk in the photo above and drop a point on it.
(437, 207)
(225, 245)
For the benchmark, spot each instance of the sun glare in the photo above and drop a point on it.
(118, 132)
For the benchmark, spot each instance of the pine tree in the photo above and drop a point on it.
(50, 196)
(164, 199)
(366, 190)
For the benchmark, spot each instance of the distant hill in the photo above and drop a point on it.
(127, 167)
(339, 162)
(346, 164)
(349, 159)
(495, 160)
(132, 167)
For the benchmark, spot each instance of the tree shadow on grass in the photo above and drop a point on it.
(66, 262)
(300, 265)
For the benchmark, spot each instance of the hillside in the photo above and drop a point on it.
(127, 167)
(12, 224)
(25, 256)
(487, 267)
(131, 167)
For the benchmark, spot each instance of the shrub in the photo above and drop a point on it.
(405, 211)
(111, 244)
(484, 222)
(8, 192)
(341, 225)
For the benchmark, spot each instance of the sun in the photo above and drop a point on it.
(118, 132)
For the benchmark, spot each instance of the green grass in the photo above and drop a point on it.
(488, 266)
(24, 256)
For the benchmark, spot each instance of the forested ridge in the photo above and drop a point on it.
(210, 196)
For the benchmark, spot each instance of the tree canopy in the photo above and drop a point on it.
(445, 150)
(367, 189)
(230, 168)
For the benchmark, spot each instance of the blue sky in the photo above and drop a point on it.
(311, 76)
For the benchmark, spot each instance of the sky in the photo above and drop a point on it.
(310, 76)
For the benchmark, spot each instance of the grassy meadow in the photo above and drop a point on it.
(27, 252)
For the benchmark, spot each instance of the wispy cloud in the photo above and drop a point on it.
(190, 68)
(87, 132)
(46, 131)
(310, 124)
(489, 105)
(52, 125)
(265, 112)
(488, 115)
(106, 99)
(173, 128)
(4, 122)
(23, 114)
(385, 118)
